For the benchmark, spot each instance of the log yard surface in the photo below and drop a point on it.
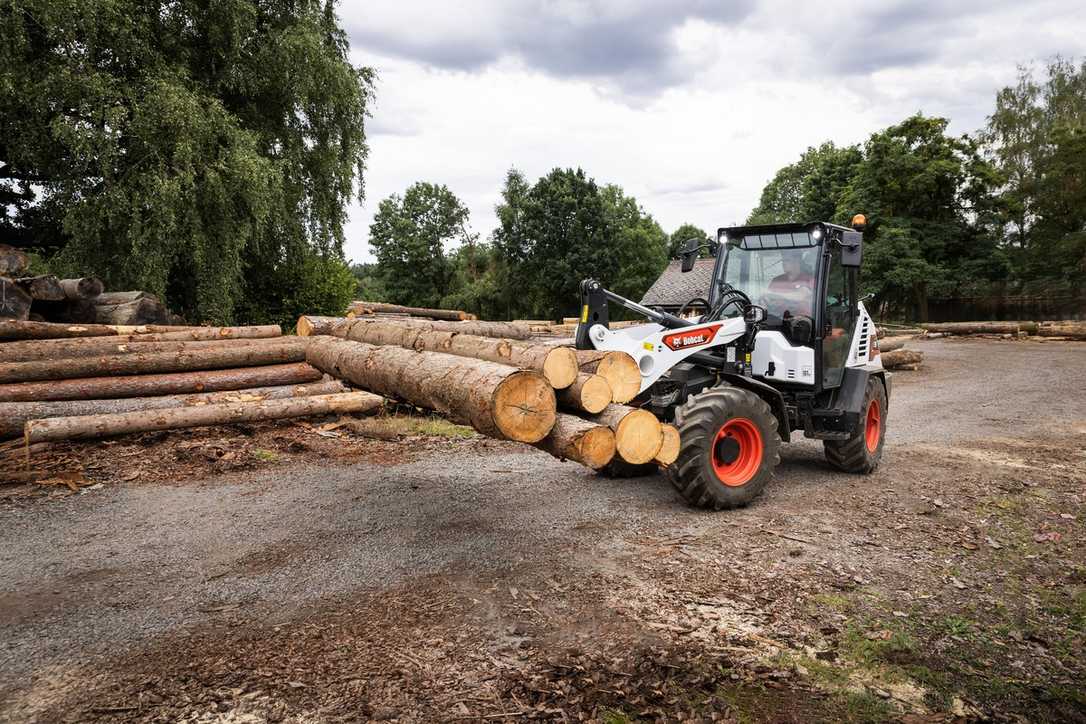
(403, 568)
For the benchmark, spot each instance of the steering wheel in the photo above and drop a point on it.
(704, 302)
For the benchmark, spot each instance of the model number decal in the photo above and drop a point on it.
(691, 337)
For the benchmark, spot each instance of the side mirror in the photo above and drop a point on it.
(689, 254)
(852, 248)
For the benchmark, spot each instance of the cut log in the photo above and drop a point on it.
(89, 388)
(557, 364)
(82, 288)
(14, 302)
(638, 434)
(139, 311)
(125, 297)
(579, 440)
(669, 450)
(98, 426)
(11, 329)
(31, 350)
(309, 325)
(973, 327)
(217, 357)
(13, 415)
(13, 262)
(900, 357)
(618, 368)
(45, 288)
(451, 315)
(497, 400)
(1069, 330)
(889, 344)
(588, 393)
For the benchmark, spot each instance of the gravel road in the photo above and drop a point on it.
(118, 567)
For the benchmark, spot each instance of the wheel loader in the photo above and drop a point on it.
(780, 344)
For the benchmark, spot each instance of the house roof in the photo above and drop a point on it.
(674, 289)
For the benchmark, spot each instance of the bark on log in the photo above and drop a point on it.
(14, 302)
(669, 449)
(450, 315)
(973, 327)
(497, 400)
(638, 434)
(889, 344)
(139, 311)
(217, 357)
(97, 426)
(588, 393)
(579, 440)
(238, 378)
(13, 415)
(1072, 330)
(13, 262)
(48, 349)
(82, 288)
(12, 329)
(309, 325)
(557, 364)
(618, 368)
(45, 287)
(901, 357)
(125, 297)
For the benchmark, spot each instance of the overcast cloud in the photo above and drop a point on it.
(690, 106)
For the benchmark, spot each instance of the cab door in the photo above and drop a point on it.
(839, 316)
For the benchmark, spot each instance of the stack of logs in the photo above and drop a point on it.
(380, 309)
(894, 356)
(1065, 329)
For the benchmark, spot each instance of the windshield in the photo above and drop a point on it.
(781, 280)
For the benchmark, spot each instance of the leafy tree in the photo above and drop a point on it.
(512, 246)
(639, 243)
(476, 284)
(810, 189)
(680, 236)
(408, 237)
(205, 151)
(368, 283)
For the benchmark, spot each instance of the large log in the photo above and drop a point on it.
(588, 393)
(309, 325)
(124, 297)
(973, 327)
(14, 302)
(12, 329)
(138, 311)
(557, 364)
(579, 440)
(97, 426)
(669, 449)
(1071, 330)
(238, 378)
(618, 368)
(900, 358)
(13, 262)
(13, 415)
(48, 349)
(638, 434)
(451, 315)
(497, 400)
(889, 344)
(82, 288)
(216, 357)
(45, 287)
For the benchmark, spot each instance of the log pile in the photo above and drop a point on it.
(1064, 329)
(361, 309)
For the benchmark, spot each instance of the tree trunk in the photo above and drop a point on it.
(125, 297)
(889, 344)
(97, 426)
(557, 364)
(579, 440)
(309, 325)
(13, 415)
(48, 349)
(82, 288)
(588, 393)
(638, 437)
(45, 288)
(450, 315)
(901, 357)
(618, 368)
(1071, 330)
(973, 327)
(139, 311)
(217, 357)
(12, 261)
(14, 302)
(497, 400)
(669, 450)
(11, 329)
(238, 378)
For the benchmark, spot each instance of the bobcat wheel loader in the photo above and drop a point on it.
(784, 345)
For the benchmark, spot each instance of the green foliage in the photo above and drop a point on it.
(408, 237)
(308, 284)
(185, 148)
(640, 245)
(680, 236)
(810, 189)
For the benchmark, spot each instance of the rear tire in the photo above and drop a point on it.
(862, 452)
(729, 448)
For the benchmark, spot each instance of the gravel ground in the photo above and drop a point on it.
(118, 569)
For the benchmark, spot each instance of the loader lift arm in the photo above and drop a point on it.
(594, 300)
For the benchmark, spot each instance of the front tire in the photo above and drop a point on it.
(729, 448)
(862, 452)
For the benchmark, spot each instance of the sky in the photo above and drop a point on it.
(690, 105)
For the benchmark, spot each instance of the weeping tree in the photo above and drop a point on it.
(203, 151)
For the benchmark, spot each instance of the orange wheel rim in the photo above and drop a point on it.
(873, 428)
(737, 452)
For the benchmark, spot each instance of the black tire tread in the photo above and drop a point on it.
(852, 456)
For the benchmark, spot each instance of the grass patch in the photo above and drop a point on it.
(265, 456)
(408, 425)
(832, 601)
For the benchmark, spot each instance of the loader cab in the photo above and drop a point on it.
(805, 278)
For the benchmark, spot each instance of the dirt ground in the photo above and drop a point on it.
(301, 573)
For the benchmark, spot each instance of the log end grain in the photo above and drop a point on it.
(560, 367)
(638, 437)
(621, 372)
(669, 449)
(590, 393)
(524, 407)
